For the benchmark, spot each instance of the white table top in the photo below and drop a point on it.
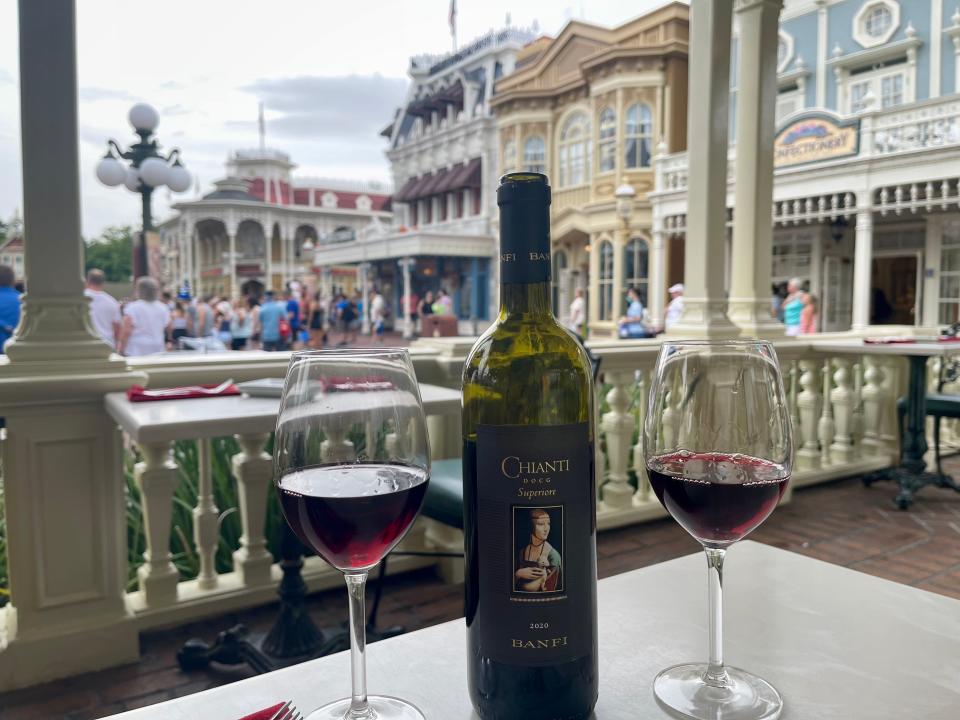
(902, 349)
(168, 420)
(838, 644)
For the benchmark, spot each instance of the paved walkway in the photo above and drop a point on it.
(842, 523)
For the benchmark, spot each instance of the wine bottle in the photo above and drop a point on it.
(529, 488)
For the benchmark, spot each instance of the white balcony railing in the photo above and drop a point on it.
(842, 405)
(927, 125)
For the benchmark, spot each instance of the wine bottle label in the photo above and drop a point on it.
(536, 562)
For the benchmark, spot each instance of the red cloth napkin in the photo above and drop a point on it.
(265, 714)
(138, 393)
(368, 382)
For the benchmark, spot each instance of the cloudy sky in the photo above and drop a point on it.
(329, 73)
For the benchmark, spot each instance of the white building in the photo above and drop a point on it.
(249, 233)
(443, 156)
(866, 154)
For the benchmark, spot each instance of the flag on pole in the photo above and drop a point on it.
(262, 127)
(453, 22)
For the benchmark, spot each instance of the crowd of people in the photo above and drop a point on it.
(637, 323)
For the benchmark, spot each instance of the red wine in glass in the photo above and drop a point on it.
(352, 514)
(718, 498)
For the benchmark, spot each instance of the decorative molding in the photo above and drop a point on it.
(860, 58)
(787, 39)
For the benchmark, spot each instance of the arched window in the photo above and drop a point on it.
(607, 149)
(559, 259)
(606, 280)
(635, 267)
(638, 135)
(575, 151)
(509, 156)
(534, 154)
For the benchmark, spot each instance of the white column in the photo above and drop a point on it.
(618, 425)
(658, 273)
(862, 263)
(364, 292)
(407, 320)
(822, 50)
(253, 469)
(931, 285)
(232, 241)
(620, 239)
(936, 46)
(704, 311)
(751, 256)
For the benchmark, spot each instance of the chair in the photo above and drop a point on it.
(939, 405)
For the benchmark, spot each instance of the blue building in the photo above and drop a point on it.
(867, 156)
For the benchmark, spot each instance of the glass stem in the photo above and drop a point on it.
(716, 674)
(356, 584)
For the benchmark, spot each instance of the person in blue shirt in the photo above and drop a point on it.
(632, 325)
(271, 313)
(9, 304)
(293, 312)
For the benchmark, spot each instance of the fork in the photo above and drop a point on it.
(287, 712)
(191, 389)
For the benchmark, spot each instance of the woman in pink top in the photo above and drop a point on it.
(808, 316)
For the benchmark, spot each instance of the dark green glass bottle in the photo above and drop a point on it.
(529, 488)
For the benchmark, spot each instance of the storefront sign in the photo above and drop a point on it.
(814, 137)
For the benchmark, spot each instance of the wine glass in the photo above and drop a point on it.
(351, 467)
(718, 446)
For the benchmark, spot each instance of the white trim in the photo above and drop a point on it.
(936, 46)
(859, 23)
(787, 39)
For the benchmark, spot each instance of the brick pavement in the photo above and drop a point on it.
(842, 523)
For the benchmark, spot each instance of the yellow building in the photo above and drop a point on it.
(591, 108)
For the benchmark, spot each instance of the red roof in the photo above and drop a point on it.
(346, 199)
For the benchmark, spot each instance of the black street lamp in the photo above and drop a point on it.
(148, 170)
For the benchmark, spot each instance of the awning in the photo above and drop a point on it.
(468, 176)
(433, 186)
(404, 194)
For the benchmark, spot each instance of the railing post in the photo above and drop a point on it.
(253, 469)
(826, 425)
(336, 447)
(157, 477)
(808, 404)
(639, 463)
(873, 399)
(842, 398)
(206, 528)
(856, 423)
(618, 425)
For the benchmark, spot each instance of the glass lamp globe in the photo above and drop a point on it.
(625, 195)
(144, 117)
(111, 171)
(178, 178)
(154, 172)
(132, 180)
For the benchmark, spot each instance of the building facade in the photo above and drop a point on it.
(261, 228)
(865, 207)
(590, 108)
(443, 158)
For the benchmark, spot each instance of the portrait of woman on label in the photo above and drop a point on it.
(538, 532)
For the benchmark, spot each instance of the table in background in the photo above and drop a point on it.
(838, 644)
(911, 474)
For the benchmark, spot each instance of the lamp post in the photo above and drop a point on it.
(626, 196)
(148, 169)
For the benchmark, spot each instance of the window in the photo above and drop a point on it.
(638, 135)
(535, 155)
(606, 280)
(559, 258)
(635, 267)
(607, 151)
(877, 20)
(509, 156)
(575, 151)
(891, 91)
(789, 101)
(949, 312)
(860, 96)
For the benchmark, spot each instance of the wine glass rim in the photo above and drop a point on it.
(740, 342)
(348, 352)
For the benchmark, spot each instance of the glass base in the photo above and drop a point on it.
(681, 691)
(379, 707)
